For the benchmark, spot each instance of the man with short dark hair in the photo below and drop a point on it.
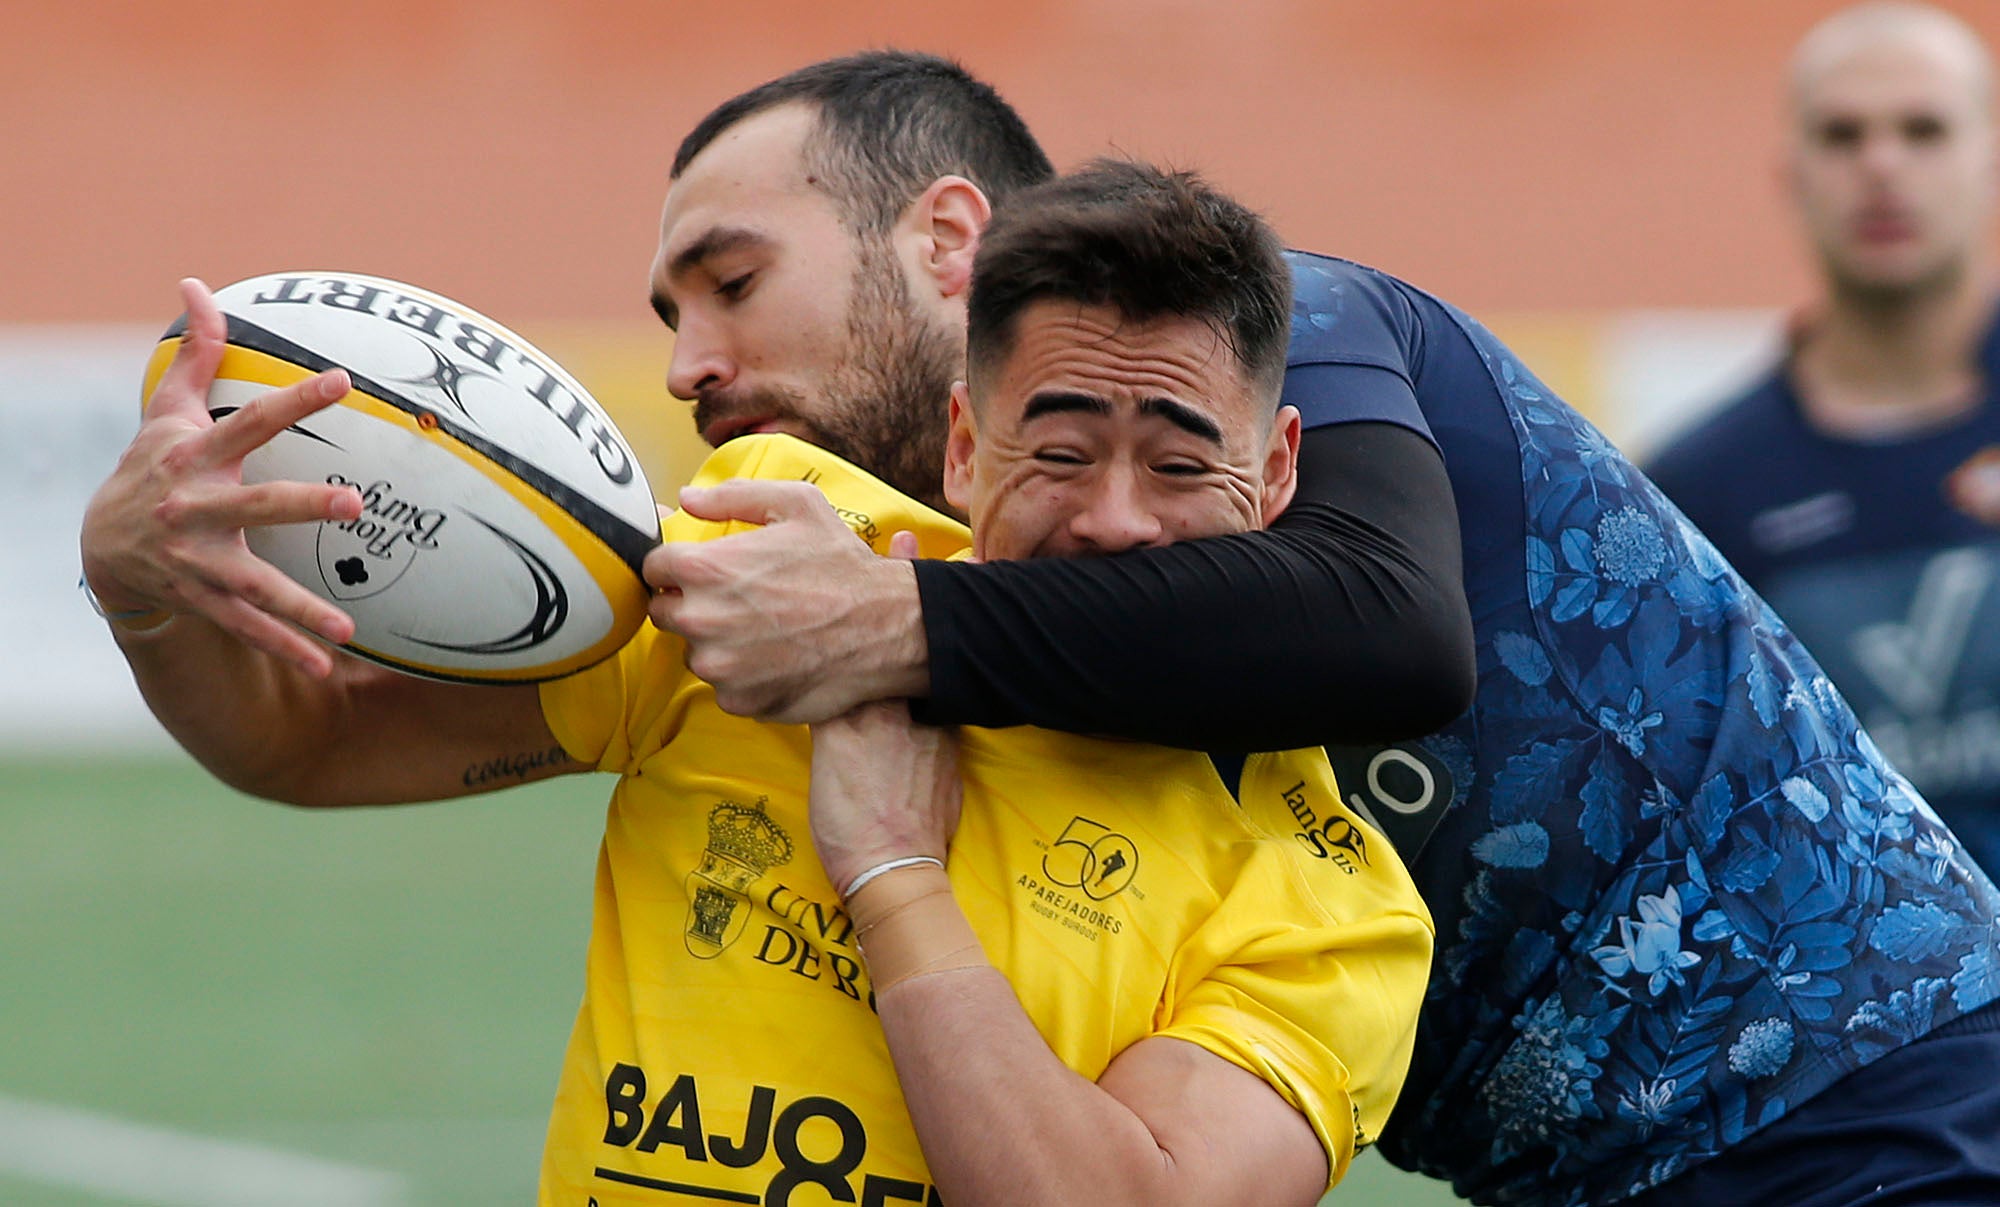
(1199, 1008)
(1193, 230)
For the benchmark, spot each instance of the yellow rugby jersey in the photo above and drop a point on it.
(727, 1049)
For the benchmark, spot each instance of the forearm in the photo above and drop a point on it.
(255, 722)
(968, 1058)
(1001, 1120)
(361, 734)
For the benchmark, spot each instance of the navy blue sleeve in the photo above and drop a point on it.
(1349, 393)
(1357, 346)
(1345, 623)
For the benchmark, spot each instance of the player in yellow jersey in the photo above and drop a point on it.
(1233, 968)
(1225, 1009)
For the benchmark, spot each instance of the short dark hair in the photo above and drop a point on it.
(892, 121)
(1147, 242)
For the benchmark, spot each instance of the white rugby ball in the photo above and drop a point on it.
(503, 516)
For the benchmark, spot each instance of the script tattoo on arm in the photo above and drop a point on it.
(517, 768)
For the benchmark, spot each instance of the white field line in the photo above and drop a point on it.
(141, 1163)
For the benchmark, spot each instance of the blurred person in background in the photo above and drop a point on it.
(1857, 485)
(1686, 915)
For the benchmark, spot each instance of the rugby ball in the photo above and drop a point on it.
(503, 516)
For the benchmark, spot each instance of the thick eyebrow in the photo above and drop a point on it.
(712, 242)
(1058, 402)
(665, 309)
(1054, 402)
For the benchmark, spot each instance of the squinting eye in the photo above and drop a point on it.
(1840, 133)
(1058, 456)
(733, 288)
(1181, 469)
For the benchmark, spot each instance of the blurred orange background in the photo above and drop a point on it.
(1528, 159)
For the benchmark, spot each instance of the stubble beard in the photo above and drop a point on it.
(884, 404)
(887, 402)
(1889, 299)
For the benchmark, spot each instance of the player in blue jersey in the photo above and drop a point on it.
(1680, 896)
(1678, 891)
(1690, 924)
(1843, 485)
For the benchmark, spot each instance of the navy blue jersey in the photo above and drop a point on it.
(1895, 591)
(1677, 888)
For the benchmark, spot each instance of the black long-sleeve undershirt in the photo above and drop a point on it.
(1344, 623)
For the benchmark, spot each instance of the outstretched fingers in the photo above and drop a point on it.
(166, 529)
(263, 503)
(262, 607)
(264, 416)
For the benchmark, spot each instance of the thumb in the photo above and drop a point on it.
(903, 545)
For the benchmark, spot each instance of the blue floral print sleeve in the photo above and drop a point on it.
(1677, 889)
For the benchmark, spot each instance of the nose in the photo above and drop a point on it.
(1883, 151)
(1117, 515)
(701, 360)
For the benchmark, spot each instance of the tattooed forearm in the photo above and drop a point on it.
(516, 768)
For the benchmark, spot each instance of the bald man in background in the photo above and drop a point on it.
(1856, 486)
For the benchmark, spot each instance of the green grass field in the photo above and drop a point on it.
(384, 990)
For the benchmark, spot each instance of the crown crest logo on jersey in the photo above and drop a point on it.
(743, 843)
(747, 835)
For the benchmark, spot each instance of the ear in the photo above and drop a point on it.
(947, 220)
(1281, 464)
(960, 443)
